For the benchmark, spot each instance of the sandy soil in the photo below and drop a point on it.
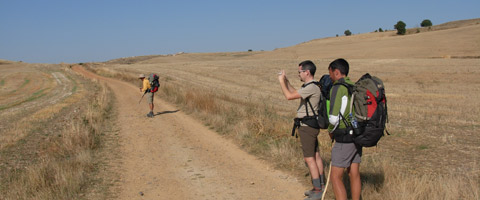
(173, 156)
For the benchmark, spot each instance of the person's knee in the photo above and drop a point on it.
(309, 159)
(354, 175)
(337, 173)
(354, 170)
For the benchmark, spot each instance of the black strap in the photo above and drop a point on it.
(306, 84)
(306, 107)
(348, 86)
(296, 124)
(347, 124)
(308, 99)
(296, 121)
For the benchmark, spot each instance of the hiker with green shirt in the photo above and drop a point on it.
(345, 154)
(146, 90)
(308, 135)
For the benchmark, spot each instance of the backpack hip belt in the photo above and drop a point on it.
(343, 135)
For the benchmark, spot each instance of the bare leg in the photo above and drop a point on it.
(319, 162)
(355, 183)
(312, 167)
(151, 105)
(337, 183)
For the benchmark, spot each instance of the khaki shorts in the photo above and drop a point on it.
(344, 154)
(309, 141)
(150, 97)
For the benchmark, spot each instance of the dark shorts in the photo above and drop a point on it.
(149, 97)
(309, 141)
(344, 154)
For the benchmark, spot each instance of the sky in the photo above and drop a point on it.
(74, 31)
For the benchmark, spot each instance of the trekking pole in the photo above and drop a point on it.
(142, 97)
(328, 178)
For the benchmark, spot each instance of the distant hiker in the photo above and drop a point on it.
(345, 154)
(146, 90)
(308, 135)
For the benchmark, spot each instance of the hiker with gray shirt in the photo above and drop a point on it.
(308, 135)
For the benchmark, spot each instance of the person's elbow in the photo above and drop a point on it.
(333, 120)
(292, 96)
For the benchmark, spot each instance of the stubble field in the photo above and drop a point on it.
(51, 122)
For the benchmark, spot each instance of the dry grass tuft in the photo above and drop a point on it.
(61, 171)
(382, 180)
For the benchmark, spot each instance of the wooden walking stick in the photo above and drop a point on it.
(328, 178)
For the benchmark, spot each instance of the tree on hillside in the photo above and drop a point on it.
(347, 33)
(380, 30)
(426, 23)
(400, 26)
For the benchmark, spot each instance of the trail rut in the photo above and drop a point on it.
(173, 156)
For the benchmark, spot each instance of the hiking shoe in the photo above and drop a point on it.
(310, 192)
(150, 114)
(315, 194)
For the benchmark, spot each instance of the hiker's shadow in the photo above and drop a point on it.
(165, 112)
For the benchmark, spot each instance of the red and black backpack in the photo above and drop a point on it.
(370, 104)
(154, 84)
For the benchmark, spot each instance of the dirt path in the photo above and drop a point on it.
(173, 156)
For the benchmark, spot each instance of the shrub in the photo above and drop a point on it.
(400, 26)
(426, 23)
(347, 33)
(380, 30)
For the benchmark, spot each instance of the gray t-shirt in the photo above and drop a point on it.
(312, 91)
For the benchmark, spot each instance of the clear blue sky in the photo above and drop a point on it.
(72, 31)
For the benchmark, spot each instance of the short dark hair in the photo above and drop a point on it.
(340, 64)
(308, 65)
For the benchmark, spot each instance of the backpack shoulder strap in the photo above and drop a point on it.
(306, 107)
(348, 86)
(312, 82)
(308, 99)
(350, 92)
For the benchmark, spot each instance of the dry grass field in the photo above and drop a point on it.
(432, 84)
(53, 122)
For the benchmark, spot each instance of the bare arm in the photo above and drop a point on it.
(288, 90)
